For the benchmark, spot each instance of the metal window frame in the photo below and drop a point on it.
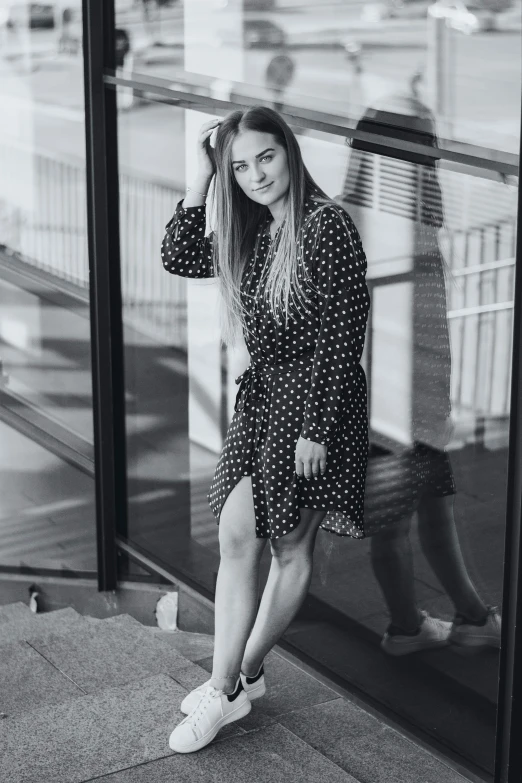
(508, 756)
(107, 333)
(101, 134)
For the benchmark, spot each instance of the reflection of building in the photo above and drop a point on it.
(178, 384)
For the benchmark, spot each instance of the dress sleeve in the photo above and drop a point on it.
(339, 274)
(185, 249)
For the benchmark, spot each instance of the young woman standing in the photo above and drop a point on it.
(291, 270)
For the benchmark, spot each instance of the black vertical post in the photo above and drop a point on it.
(508, 766)
(105, 286)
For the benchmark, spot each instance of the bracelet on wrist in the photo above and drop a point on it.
(203, 195)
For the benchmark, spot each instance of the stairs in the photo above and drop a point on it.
(84, 699)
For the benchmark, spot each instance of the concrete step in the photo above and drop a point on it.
(13, 612)
(29, 625)
(110, 652)
(29, 681)
(194, 646)
(126, 727)
(97, 699)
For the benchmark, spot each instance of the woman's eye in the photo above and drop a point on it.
(242, 166)
(267, 157)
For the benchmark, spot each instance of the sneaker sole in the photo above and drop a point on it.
(475, 643)
(237, 714)
(253, 694)
(412, 648)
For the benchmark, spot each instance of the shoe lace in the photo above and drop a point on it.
(195, 716)
(435, 622)
(441, 625)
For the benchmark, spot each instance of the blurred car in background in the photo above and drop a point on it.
(261, 33)
(467, 18)
(33, 15)
(483, 10)
(251, 34)
(250, 5)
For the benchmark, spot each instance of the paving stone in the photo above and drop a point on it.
(144, 714)
(271, 755)
(193, 646)
(29, 681)
(287, 687)
(11, 612)
(40, 625)
(128, 653)
(125, 619)
(63, 743)
(363, 746)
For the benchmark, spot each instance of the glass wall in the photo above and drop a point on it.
(440, 242)
(47, 515)
(341, 56)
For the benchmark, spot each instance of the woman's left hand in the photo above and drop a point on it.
(310, 458)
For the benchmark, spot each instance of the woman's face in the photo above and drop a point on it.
(260, 166)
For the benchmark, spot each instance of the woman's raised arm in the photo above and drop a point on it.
(185, 249)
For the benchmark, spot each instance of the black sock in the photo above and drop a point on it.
(394, 630)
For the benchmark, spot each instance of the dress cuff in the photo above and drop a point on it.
(309, 432)
(181, 211)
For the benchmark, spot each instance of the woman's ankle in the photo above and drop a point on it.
(226, 684)
(251, 670)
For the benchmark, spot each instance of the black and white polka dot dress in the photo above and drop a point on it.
(304, 379)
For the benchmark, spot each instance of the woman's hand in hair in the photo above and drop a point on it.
(205, 152)
(310, 458)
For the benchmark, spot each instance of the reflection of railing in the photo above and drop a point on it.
(480, 291)
(51, 234)
(480, 314)
(153, 300)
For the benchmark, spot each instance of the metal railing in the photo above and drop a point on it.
(51, 235)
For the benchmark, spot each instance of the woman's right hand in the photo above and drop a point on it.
(205, 162)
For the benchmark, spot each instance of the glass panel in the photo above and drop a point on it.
(341, 57)
(440, 246)
(47, 515)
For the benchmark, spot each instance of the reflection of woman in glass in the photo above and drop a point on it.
(291, 270)
(416, 191)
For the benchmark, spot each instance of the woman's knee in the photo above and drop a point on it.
(236, 543)
(299, 543)
(390, 538)
(237, 524)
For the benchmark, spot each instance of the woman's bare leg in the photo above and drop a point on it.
(237, 584)
(285, 590)
(392, 563)
(440, 544)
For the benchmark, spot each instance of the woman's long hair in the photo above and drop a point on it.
(238, 219)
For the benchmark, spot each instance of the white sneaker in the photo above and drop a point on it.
(213, 711)
(487, 634)
(254, 688)
(432, 633)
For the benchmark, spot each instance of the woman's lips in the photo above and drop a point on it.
(265, 187)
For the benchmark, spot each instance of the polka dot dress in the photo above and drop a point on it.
(304, 378)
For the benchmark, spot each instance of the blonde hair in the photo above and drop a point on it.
(238, 219)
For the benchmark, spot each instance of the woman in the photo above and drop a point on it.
(432, 488)
(291, 270)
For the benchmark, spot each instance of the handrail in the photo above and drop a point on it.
(197, 94)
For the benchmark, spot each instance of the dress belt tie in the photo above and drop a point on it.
(249, 381)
